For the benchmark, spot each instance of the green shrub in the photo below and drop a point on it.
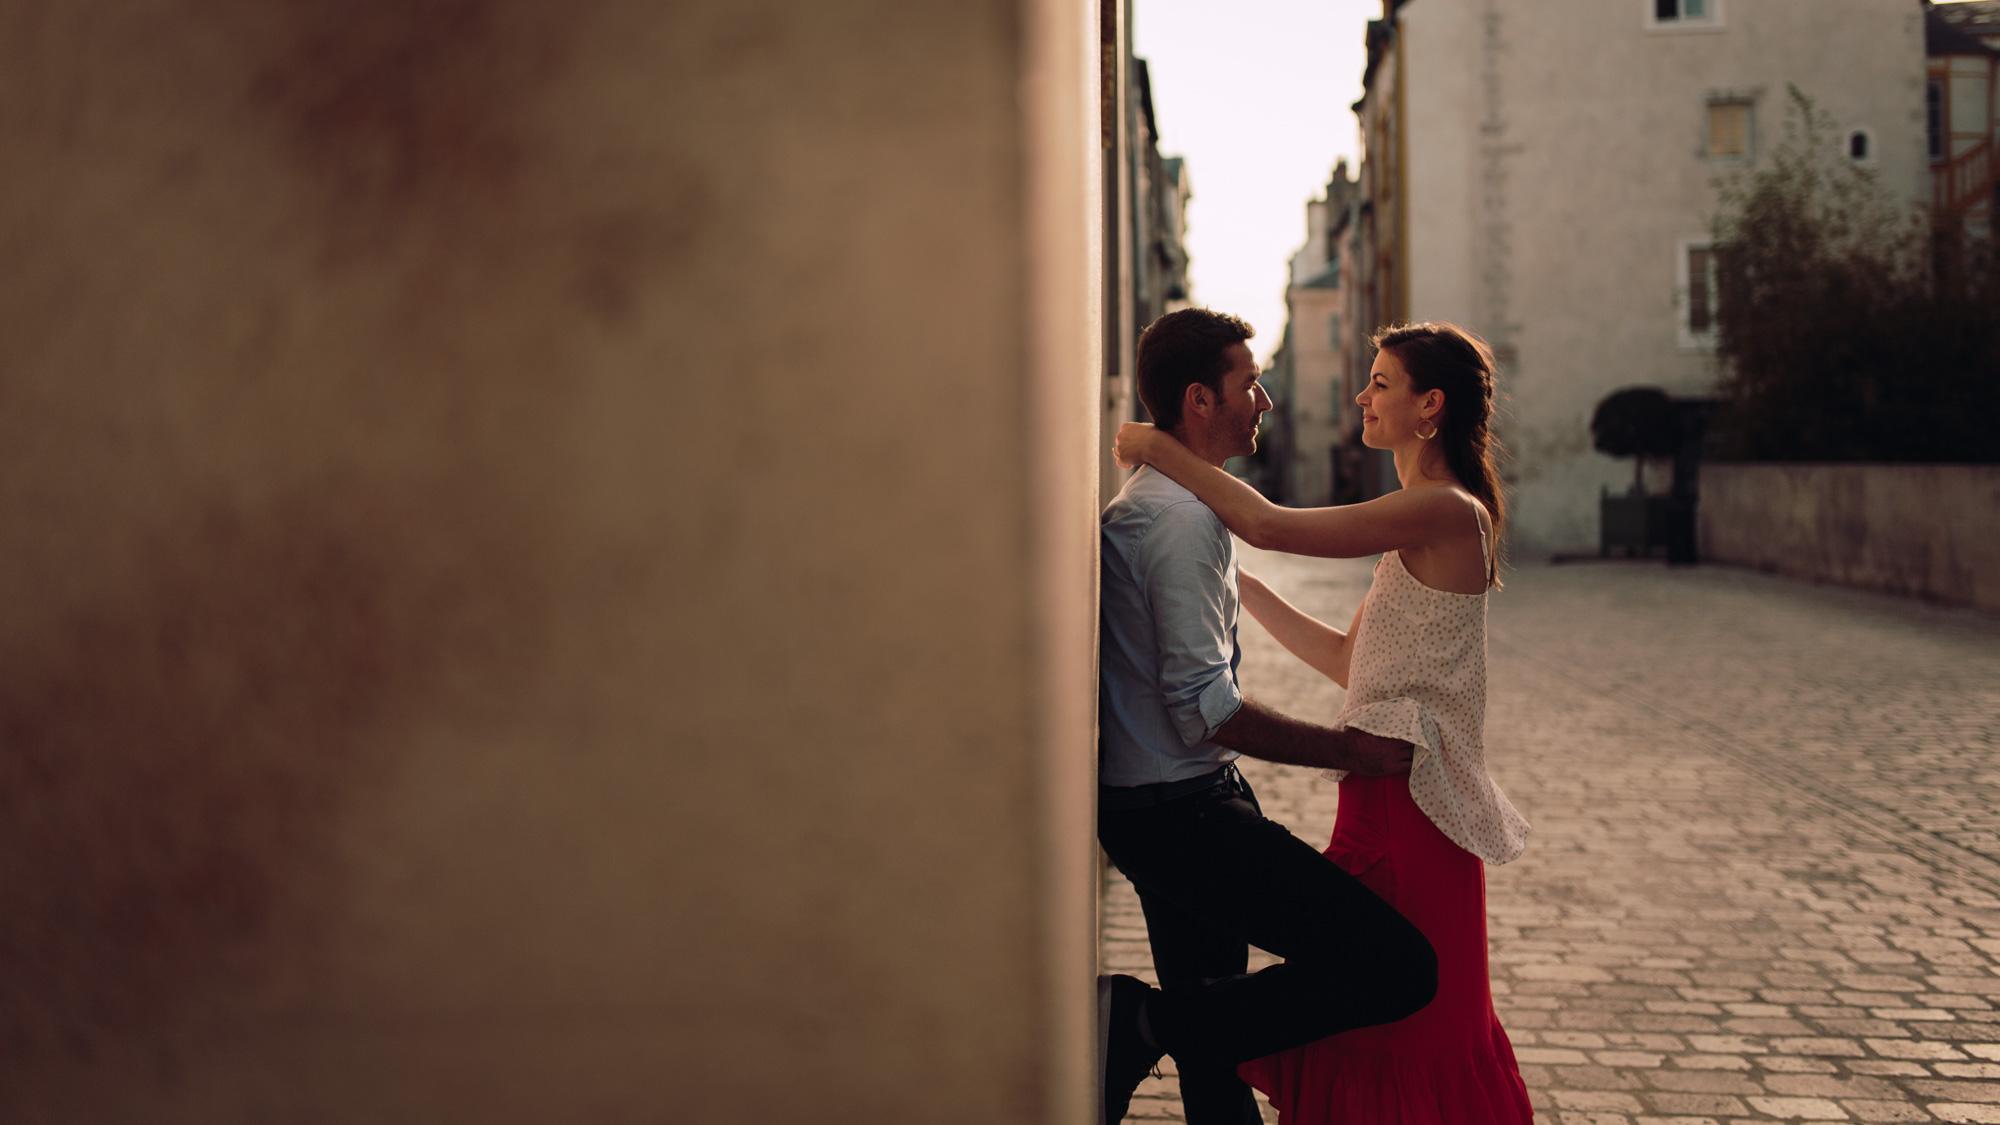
(1637, 422)
(1851, 328)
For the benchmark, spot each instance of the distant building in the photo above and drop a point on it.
(1145, 242)
(1359, 473)
(1377, 235)
(1160, 191)
(1317, 357)
(1170, 191)
(1961, 127)
(1545, 174)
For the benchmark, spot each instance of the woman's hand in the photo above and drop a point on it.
(1132, 446)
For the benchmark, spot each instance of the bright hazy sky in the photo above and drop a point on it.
(1255, 96)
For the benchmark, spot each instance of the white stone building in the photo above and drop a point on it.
(1318, 350)
(1545, 174)
(1145, 258)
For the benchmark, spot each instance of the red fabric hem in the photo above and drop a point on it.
(1314, 1086)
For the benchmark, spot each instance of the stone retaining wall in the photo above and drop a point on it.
(1929, 530)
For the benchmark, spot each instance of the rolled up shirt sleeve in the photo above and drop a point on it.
(1185, 569)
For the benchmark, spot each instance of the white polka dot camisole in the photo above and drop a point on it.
(1417, 671)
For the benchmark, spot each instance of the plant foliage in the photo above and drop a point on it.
(1637, 422)
(1851, 326)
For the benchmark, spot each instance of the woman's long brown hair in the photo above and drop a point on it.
(1444, 357)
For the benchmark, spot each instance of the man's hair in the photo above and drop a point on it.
(1180, 349)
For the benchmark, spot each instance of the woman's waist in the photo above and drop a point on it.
(1441, 701)
(1368, 805)
(1438, 652)
(1463, 784)
(1355, 789)
(1377, 821)
(1378, 817)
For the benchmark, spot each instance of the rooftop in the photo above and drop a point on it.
(1970, 27)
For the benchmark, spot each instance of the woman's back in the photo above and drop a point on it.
(1461, 563)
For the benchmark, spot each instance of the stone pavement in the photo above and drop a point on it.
(1764, 879)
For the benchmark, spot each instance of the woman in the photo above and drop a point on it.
(1414, 665)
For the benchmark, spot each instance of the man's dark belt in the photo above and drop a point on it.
(1124, 798)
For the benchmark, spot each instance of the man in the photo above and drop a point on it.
(1213, 875)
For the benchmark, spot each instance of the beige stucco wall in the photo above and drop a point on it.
(1909, 529)
(1556, 166)
(1441, 42)
(550, 561)
(1317, 367)
(1316, 377)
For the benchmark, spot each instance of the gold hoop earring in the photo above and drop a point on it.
(1422, 436)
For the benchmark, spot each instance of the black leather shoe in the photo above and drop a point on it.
(1123, 1058)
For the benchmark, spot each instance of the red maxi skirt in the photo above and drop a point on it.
(1450, 1064)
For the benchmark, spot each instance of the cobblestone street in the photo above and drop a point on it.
(1764, 879)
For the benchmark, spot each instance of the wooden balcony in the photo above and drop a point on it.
(1962, 181)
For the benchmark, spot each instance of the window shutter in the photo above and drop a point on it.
(1729, 129)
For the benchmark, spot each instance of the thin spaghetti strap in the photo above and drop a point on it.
(1485, 553)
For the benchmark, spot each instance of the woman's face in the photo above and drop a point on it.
(1392, 407)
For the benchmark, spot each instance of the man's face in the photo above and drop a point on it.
(1241, 406)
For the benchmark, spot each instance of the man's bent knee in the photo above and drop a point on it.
(1414, 974)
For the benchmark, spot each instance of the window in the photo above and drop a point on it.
(1701, 289)
(1698, 293)
(1860, 147)
(1674, 15)
(1934, 117)
(1729, 130)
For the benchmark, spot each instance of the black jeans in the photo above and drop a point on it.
(1214, 878)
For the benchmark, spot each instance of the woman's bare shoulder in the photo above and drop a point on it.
(1478, 507)
(1446, 507)
(1452, 559)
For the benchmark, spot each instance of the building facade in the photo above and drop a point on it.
(384, 741)
(1145, 195)
(1961, 128)
(1547, 175)
(1317, 360)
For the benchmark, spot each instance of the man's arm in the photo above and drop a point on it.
(1185, 559)
(1183, 567)
(1260, 732)
(1403, 518)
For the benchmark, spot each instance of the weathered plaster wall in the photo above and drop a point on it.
(1926, 530)
(550, 565)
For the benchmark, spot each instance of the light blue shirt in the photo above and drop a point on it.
(1167, 630)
